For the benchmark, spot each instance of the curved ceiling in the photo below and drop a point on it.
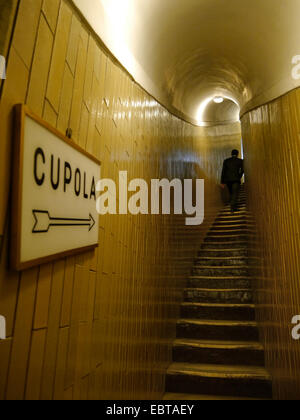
(212, 113)
(184, 52)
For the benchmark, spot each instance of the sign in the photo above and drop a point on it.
(54, 201)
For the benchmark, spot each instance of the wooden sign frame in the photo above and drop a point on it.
(20, 112)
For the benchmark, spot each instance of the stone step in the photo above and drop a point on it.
(218, 352)
(224, 245)
(242, 221)
(226, 238)
(218, 295)
(217, 330)
(241, 207)
(223, 271)
(241, 201)
(221, 261)
(243, 215)
(226, 253)
(198, 397)
(208, 282)
(229, 311)
(224, 232)
(224, 224)
(227, 221)
(232, 218)
(227, 380)
(232, 227)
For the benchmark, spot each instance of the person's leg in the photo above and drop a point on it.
(229, 186)
(235, 195)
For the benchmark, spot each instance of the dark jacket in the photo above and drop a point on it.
(233, 170)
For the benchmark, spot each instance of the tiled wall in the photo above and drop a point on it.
(7, 15)
(98, 325)
(272, 150)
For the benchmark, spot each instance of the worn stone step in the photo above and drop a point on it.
(218, 352)
(200, 397)
(242, 221)
(221, 261)
(224, 232)
(238, 227)
(241, 208)
(223, 271)
(229, 311)
(217, 330)
(237, 214)
(218, 295)
(235, 217)
(225, 380)
(224, 245)
(208, 282)
(226, 238)
(229, 217)
(226, 253)
(231, 221)
(235, 230)
(240, 211)
(241, 203)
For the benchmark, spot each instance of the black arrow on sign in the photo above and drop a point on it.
(43, 222)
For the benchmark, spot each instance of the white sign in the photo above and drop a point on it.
(55, 194)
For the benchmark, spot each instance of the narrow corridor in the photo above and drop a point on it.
(217, 353)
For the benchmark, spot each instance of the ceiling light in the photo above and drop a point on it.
(218, 100)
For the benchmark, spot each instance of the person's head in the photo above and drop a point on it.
(235, 153)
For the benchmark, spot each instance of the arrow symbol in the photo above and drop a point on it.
(43, 222)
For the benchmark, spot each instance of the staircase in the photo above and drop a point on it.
(217, 354)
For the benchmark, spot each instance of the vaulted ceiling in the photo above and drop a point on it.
(186, 52)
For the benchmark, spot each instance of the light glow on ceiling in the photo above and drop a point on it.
(201, 110)
(120, 14)
(218, 99)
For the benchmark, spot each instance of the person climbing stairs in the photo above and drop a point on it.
(217, 354)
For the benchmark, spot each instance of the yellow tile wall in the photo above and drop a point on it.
(272, 151)
(98, 325)
(7, 16)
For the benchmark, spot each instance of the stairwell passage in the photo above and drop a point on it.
(217, 354)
